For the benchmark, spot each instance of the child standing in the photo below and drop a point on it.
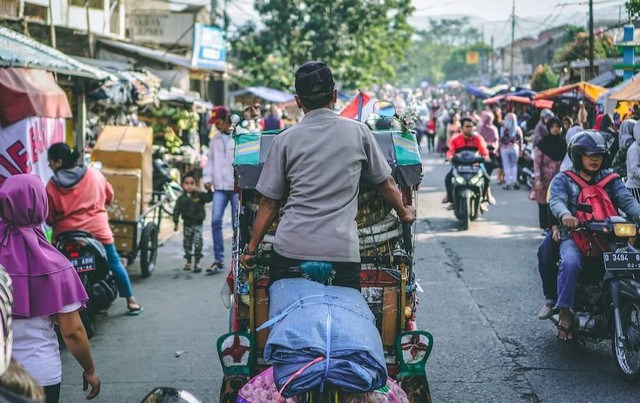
(190, 205)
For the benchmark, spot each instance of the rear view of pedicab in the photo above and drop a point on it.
(388, 282)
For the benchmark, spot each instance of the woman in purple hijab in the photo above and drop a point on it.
(47, 289)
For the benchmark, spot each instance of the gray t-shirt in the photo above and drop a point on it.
(320, 161)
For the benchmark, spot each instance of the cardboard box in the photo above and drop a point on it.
(124, 244)
(127, 185)
(124, 147)
(124, 230)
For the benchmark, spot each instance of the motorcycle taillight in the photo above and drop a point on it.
(73, 249)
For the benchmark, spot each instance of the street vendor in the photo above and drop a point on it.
(319, 163)
(218, 175)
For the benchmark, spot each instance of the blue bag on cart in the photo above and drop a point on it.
(322, 335)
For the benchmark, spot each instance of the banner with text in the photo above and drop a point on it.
(24, 145)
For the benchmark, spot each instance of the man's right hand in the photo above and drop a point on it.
(207, 185)
(90, 378)
(569, 221)
(408, 215)
(247, 262)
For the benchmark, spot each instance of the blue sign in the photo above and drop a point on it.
(209, 47)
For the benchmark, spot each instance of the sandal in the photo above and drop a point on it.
(134, 309)
(450, 207)
(187, 266)
(567, 332)
(215, 268)
(197, 268)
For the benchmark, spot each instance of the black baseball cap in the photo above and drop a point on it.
(314, 79)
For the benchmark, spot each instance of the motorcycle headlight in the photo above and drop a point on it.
(459, 180)
(475, 180)
(625, 230)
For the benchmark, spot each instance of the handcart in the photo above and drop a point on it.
(388, 279)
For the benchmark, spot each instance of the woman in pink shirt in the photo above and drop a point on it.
(78, 196)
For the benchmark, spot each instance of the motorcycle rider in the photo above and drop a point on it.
(588, 152)
(319, 163)
(468, 138)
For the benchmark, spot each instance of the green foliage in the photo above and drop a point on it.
(456, 67)
(362, 41)
(436, 52)
(633, 9)
(544, 78)
(603, 47)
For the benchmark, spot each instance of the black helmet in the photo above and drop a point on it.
(586, 142)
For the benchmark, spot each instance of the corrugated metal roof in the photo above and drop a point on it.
(17, 50)
(161, 56)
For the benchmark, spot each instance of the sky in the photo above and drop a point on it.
(501, 9)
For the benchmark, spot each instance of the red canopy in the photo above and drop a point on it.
(543, 103)
(29, 92)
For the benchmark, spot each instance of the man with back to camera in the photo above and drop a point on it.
(319, 161)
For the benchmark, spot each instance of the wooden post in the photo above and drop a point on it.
(81, 121)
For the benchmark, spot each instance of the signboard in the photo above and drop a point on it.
(209, 47)
(162, 28)
(473, 57)
(24, 145)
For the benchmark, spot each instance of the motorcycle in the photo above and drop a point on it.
(89, 258)
(525, 166)
(164, 184)
(468, 180)
(607, 304)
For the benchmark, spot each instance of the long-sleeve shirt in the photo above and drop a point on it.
(219, 168)
(191, 208)
(633, 166)
(564, 196)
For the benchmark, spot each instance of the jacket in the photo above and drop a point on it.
(191, 208)
(633, 161)
(564, 196)
(77, 201)
(219, 168)
(458, 141)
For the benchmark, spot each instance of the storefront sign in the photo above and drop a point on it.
(209, 47)
(24, 145)
(162, 28)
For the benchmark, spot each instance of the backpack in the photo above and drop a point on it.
(594, 204)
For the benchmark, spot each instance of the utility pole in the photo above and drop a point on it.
(491, 60)
(513, 37)
(89, 35)
(214, 12)
(591, 67)
(52, 28)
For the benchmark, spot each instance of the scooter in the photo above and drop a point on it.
(468, 180)
(607, 304)
(165, 184)
(89, 258)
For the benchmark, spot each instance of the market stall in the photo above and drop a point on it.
(566, 98)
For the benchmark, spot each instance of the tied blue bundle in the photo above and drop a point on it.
(317, 271)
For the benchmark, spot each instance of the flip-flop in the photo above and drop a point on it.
(134, 311)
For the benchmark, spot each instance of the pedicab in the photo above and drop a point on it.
(388, 278)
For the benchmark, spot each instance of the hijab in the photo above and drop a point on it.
(606, 124)
(511, 124)
(626, 132)
(487, 130)
(44, 281)
(555, 147)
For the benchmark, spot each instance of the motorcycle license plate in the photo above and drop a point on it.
(84, 264)
(466, 168)
(622, 261)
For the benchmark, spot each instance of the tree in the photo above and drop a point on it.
(362, 41)
(434, 46)
(456, 67)
(603, 47)
(544, 78)
(633, 8)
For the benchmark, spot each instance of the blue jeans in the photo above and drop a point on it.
(569, 272)
(220, 200)
(548, 256)
(118, 270)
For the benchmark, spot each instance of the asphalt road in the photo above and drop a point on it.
(482, 295)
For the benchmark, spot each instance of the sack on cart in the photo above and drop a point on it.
(310, 321)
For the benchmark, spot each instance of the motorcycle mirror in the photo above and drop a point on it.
(253, 112)
(385, 109)
(170, 395)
